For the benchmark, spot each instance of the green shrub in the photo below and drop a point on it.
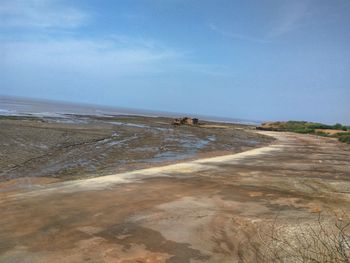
(304, 130)
(342, 134)
(343, 137)
(338, 126)
(319, 126)
(310, 128)
(321, 133)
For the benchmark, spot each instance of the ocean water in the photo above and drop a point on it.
(12, 106)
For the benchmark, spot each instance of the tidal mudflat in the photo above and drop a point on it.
(131, 201)
(79, 146)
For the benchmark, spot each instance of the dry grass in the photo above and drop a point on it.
(329, 131)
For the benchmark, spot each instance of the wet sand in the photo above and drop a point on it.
(78, 146)
(192, 211)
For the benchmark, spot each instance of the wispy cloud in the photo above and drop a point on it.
(290, 18)
(41, 14)
(86, 56)
(204, 69)
(114, 57)
(137, 42)
(113, 54)
(228, 34)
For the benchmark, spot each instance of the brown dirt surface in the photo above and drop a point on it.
(192, 211)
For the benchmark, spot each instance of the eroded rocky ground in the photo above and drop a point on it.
(194, 211)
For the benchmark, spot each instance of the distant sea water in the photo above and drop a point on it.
(13, 106)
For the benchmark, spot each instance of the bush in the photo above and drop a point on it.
(304, 130)
(338, 126)
(320, 126)
(308, 128)
(343, 137)
(321, 133)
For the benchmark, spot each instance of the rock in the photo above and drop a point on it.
(185, 121)
(176, 122)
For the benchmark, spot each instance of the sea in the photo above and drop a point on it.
(16, 106)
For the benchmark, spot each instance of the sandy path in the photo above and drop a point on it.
(187, 212)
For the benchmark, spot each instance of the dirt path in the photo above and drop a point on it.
(188, 212)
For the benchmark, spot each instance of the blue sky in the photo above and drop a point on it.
(259, 60)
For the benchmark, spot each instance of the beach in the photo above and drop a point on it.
(80, 146)
(197, 207)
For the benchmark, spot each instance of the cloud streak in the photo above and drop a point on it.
(228, 34)
(290, 17)
(113, 55)
(40, 14)
(117, 56)
(86, 56)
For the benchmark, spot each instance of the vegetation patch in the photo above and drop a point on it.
(338, 130)
(343, 137)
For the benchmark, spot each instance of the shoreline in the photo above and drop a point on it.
(25, 184)
(99, 146)
(173, 169)
(105, 110)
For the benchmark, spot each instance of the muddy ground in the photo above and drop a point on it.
(76, 146)
(191, 211)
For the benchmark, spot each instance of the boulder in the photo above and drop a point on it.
(185, 121)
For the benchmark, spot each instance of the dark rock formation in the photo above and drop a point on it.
(185, 121)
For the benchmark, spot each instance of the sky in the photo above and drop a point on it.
(257, 60)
